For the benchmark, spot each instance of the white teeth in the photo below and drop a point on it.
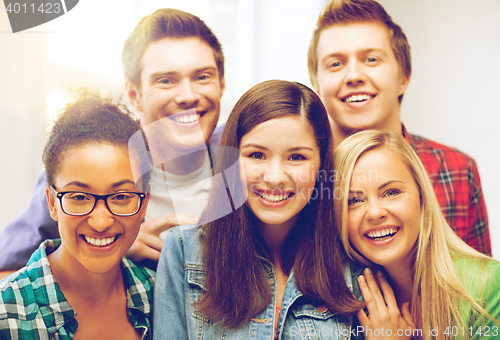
(381, 233)
(274, 198)
(357, 98)
(187, 118)
(100, 242)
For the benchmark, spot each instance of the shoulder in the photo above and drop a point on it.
(187, 236)
(27, 230)
(17, 297)
(21, 291)
(424, 146)
(492, 276)
(138, 275)
(182, 245)
(139, 281)
(37, 268)
(480, 276)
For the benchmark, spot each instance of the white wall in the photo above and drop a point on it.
(451, 98)
(455, 45)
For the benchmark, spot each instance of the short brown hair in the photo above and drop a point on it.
(352, 11)
(165, 23)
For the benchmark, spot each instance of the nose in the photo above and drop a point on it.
(100, 218)
(187, 94)
(375, 210)
(354, 75)
(274, 174)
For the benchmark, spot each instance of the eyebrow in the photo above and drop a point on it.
(86, 186)
(379, 188)
(388, 183)
(78, 184)
(298, 148)
(369, 50)
(206, 68)
(363, 51)
(122, 182)
(160, 74)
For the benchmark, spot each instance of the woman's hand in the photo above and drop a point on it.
(384, 320)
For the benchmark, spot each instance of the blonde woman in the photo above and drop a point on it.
(391, 222)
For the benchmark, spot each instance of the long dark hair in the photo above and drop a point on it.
(235, 282)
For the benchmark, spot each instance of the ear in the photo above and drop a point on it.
(134, 96)
(144, 205)
(403, 85)
(318, 92)
(316, 88)
(52, 202)
(222, 86)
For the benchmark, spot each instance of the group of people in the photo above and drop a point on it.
(307, 215)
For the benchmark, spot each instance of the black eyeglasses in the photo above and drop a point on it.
(78, 203)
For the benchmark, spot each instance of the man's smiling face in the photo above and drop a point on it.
(359, 78)
(179, 76)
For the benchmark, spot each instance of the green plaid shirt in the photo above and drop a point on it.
(32, 305)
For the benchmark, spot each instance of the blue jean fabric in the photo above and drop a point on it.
(179, 283)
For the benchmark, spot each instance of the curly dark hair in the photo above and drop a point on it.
(95, 118)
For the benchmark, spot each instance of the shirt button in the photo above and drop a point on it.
(322, 309)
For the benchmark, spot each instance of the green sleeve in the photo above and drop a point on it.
(484, 328)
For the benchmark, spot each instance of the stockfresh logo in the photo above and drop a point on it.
(27, 14)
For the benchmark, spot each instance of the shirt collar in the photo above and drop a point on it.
(408, 137)
(56, 310)
(139, 283)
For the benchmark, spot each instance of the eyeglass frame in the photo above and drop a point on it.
(97, 198)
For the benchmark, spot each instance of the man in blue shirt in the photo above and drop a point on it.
(174, 72)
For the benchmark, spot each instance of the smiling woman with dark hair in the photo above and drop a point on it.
(274, 266)
(82, 286)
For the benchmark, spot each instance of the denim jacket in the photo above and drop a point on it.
(179, 283)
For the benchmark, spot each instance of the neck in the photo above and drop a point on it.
(401, 280)
(340, 133)
(184, 164)
(275, 235)
(74, 279)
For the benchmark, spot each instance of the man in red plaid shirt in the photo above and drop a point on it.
(360, 65)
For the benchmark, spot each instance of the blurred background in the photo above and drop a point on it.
(455, 47)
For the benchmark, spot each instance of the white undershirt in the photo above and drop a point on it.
(179, 194)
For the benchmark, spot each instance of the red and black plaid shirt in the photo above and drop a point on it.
(457, 186)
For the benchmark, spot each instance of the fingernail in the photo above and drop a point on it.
(379, 273)
(368, 271)
(361, 278)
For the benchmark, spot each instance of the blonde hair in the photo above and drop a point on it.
(439, 292)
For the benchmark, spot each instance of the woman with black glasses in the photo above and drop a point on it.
(82, 286)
